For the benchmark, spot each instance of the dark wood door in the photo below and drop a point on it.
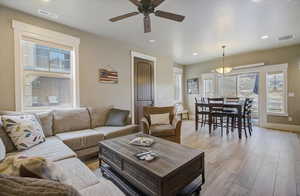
(143, 86)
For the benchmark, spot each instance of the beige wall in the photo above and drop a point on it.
(95, 51)
(290, 55)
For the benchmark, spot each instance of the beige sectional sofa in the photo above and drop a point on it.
(73, 134)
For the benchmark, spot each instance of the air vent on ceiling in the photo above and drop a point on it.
(47, 14)
(286, 37)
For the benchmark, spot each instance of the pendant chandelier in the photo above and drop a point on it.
(223, 69)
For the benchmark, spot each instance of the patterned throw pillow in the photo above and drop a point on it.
(25, 130)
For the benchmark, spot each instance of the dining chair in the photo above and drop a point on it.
(246, 117)
(203, 112)
(216, 116)
(221, 113)
(232, 99)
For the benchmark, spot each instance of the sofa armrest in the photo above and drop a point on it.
(145, 125)
(177, 123)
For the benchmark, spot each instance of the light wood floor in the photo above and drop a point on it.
(265, 164)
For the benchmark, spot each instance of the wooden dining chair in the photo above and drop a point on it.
(216, 116)
(246, 117)
(221, 115)
(203, 112)
(232, 99)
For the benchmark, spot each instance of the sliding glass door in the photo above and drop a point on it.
(245, 85)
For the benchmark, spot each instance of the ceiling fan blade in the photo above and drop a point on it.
(123, 16)
(170, 16)
(147, 24)
(136, 2)
(156, 3)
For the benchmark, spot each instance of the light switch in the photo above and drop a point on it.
(290, 118)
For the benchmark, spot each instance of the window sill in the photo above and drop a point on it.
(277, 114)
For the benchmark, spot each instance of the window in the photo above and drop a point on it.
(46, 68)
(276, 92)
(177, 85)
(208, 85)
(227, 86)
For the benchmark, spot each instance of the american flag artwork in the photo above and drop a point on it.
(108, 77)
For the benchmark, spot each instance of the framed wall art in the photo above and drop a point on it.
(108, 75)
(193, 86)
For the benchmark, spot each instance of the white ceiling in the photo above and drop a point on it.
(208, 24)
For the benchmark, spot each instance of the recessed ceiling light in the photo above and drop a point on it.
(264, 37)
(46, 0)
(151, 40)
(195, 53)
(256, 1)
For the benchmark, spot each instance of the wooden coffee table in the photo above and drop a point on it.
(179, 170)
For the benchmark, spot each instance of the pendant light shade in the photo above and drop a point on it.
(223, 69)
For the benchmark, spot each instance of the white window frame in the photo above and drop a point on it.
(285, 92)
(178, 71)
(213, 78)
(22, 30)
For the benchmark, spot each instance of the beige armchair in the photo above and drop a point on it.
(171, 131)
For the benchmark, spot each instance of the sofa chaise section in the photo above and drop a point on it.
(52, 149)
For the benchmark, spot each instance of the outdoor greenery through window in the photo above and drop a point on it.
(275, 92)
(47, 75)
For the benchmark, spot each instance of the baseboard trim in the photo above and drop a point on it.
(283, 127)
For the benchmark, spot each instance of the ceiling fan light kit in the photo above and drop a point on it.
(147, 7)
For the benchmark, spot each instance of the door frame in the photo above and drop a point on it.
(149, 58)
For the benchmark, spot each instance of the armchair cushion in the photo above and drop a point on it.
(158, 110)
(160, 119)
(163, 130)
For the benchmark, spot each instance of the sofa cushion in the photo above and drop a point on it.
(77, 173)
(78, 140)
(162, 130)
(66, 120)
(25, 130)
(88, 152)
(52, 149)
(112, 132)
(46, 120)
(99, 115)
(104, 188)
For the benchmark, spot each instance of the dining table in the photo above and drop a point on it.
(232, 105)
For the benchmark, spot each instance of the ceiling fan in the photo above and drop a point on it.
(147, 7)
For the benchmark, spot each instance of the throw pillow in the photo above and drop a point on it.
(160, 119)
(25, 130)
(33, 167)
(12, 185)
(117, 117)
